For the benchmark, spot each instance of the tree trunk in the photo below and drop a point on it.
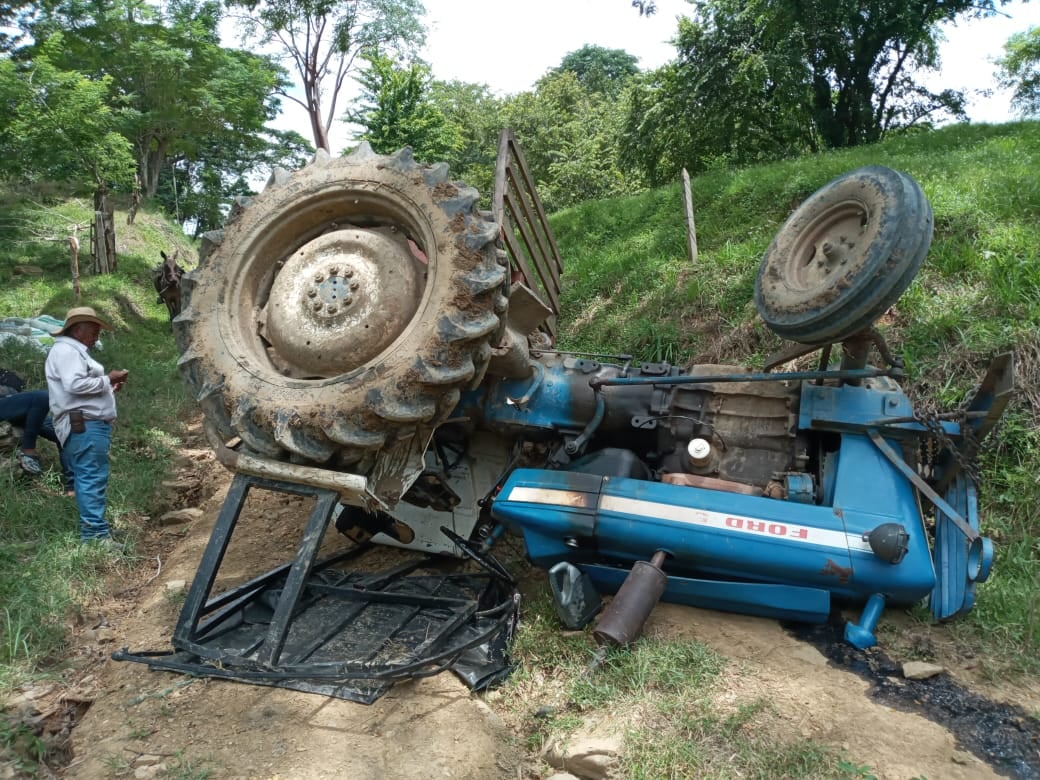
(135, 201)
(151, 154)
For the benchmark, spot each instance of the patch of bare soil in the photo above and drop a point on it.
(141, 724)
(816, 700)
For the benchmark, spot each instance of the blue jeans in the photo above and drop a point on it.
(29, 411)
(88, 454)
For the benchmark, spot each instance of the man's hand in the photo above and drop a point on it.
(118, 378)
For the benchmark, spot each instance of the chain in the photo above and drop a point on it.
(938, 440)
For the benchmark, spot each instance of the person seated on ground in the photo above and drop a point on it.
(30, 411)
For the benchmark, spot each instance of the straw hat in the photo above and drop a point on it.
(78, 315)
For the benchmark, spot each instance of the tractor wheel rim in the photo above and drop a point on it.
(341, 299)
(831, 247)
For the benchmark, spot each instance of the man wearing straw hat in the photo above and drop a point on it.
(83, 405)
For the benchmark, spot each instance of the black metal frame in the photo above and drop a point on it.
(436, 619)
(197, 604)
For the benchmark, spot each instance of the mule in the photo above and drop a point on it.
(167, 280)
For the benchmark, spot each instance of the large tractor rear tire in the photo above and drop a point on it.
(343, 310)
(844, 256)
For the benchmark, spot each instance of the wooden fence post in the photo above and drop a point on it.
(103, 236)
(691, 228)
(74, 262)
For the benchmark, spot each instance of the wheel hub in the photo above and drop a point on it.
(829, 244)
(329, 297)
(343, 298)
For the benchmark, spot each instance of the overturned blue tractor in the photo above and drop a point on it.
(362, 333)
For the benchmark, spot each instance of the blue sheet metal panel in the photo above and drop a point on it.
(728, 535)
(551, 406)
(781, 602)
(954, 592)
(707, 532)
(823, 407)
(870, 491)
(725, 535)
(763, 539)
(554, 510)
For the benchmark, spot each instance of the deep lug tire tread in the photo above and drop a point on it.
(342, 421)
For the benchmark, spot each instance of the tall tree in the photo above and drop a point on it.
(396, 109)
(323, 39)
(599, 69)
(197, 189)
(172, 85)
(568, 135)
(741, 87)
(856, 61)
(863, 57)
(475, 113)
(1020, 71)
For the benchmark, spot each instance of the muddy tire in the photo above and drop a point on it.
(844, 256)
(342, 310)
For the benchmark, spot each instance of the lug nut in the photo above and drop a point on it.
(348, 273)
(332, 308)
(318, 305)
(334, 271)
(354, 285)
(348, 299)
(312, 293)
(319, 277)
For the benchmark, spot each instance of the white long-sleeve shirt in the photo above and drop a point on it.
(75, 381)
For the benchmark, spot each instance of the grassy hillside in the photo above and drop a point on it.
(630, 288)
(46, 577)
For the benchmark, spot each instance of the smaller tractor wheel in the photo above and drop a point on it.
(844, 256)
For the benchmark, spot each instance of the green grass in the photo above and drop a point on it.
(629, 288)
(627, 275)
(46, 576)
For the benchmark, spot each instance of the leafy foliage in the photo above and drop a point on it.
(599, 69)
(768, 79)
(397, 110)
(568, 135)
(175, 87)
(58, 124)
(1020, 70)
(737, 93)
(132, 85)
(475, 114)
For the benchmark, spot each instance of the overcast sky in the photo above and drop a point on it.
(508, 46)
